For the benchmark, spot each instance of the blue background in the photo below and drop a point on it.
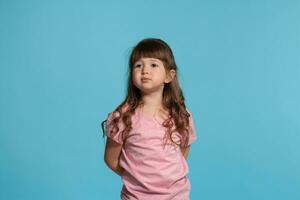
(63, 68)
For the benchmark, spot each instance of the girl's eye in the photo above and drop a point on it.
(138, 65)
(154, 65)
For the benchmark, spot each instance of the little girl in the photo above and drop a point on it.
(149, 134)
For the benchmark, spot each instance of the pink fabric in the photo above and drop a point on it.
(152, 172)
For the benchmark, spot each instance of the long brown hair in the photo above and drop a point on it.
(173, 99)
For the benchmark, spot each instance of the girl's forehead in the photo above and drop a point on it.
(149, 59)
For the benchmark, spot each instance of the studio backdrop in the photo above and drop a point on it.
(63, 67)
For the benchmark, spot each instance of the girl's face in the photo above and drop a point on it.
(150, 75)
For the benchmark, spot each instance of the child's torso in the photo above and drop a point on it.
(149, 165)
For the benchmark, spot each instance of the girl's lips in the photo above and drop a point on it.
(145, 79)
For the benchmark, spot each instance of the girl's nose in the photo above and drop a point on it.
(145, 69)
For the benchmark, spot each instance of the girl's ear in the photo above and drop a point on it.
(170, 76)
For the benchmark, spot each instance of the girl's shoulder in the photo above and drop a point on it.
(117, 112)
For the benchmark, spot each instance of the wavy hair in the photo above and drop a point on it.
(173, 99)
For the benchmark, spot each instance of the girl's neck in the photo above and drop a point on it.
(152, 101)
(152, 106)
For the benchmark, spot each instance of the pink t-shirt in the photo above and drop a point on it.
(152, 172)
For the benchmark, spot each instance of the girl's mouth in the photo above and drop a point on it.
(145, 79)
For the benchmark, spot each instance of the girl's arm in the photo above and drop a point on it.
(112, 155)
(185, 151)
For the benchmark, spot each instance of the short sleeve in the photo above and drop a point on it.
(117, 137)
(192, 129)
